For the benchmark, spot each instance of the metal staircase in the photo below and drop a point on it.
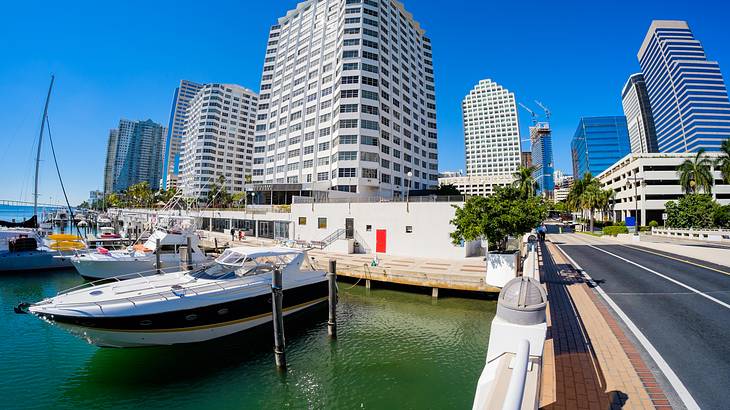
(329, 239)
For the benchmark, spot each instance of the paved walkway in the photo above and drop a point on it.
(589, 363)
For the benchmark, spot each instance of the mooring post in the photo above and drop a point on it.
(278, 317)
(189, 253)
(332, 280)
(157, 256)
(215, 243)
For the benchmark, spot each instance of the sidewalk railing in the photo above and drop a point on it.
(717, 235)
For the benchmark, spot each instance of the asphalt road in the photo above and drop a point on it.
(690, 330)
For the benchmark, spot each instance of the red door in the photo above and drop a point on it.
(380, 240)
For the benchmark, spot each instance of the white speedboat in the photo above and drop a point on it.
(101, 263)
(230, 295)
(23, 249)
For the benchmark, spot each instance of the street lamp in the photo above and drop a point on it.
(409, 175)
(637, 180)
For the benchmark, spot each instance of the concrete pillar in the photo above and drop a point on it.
(367, 283)
(435, 293)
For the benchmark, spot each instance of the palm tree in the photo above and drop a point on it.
(525, 182)
(591, 199)
(723, 163)
(695, 175)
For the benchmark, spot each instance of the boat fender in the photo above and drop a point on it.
(22, 308)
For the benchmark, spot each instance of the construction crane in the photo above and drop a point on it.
(532, 113)
(544, 108)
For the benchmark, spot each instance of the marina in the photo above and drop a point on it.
(399, 344)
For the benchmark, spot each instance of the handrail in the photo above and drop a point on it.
(332, 237)
(516, 389)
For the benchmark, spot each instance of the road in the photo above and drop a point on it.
(683, 309)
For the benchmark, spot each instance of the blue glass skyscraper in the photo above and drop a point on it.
(686, 91)
(541, 141)
(598, 143)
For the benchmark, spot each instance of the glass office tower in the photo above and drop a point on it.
(541, 141)
(686, 91)
(598, 143)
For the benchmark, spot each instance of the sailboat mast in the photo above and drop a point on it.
(40, 141)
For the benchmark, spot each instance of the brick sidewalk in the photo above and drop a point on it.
(588, 363)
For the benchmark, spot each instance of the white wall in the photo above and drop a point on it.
(429, 221)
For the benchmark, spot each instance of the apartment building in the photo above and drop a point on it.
(347, 101)
(218, 139)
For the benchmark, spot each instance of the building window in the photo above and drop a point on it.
(322, 223)
(368, 228)
(409, 229)
(302, 220)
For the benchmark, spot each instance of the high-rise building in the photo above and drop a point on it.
(175, 130)
(218, 139)
(598, 143)
(526, 159)
(111, 158)
(491, 130)
(347, 100)
(134, 155)
(687, 93)
(635, 100)
(541, 141)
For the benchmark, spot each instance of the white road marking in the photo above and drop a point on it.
(672, 377)
(661, 275)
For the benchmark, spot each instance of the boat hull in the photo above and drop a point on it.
(122, 338)
(33, 260)
(181, 325)
(94, 269)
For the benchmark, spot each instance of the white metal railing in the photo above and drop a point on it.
(516, 389)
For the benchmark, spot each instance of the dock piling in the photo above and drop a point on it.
(435, 293)
(189, 254)
(215, 243)
(157, 256)
(278, 318)
(332, 281)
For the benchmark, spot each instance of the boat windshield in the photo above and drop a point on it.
(232, 258)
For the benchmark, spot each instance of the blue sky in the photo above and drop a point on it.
(124, 59)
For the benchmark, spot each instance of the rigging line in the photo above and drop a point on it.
(58, 171)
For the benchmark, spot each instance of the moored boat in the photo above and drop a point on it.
(230, 295)
(141, 259)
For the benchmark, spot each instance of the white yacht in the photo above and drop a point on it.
(230, 295)
(24, 249)
(141, 259)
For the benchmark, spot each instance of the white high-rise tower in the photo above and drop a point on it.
(491, 130)
(347, 100)
(218, 139)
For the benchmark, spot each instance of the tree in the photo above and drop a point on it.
(218, 196)
(448, 190)
(591, 199)
(113, 201)
(139, 195)
(723, 163)
(695, 175)
(503, 214)
(607, 202)
(84, 205)
(722, 216)
(525, 182)
(165, 195)
(691, 211)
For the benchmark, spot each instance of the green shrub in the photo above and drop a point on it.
(653, 224)
(722, 216)
(644, 228)
(621, 223)
(615, 230)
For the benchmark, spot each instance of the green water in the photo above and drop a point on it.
(395, 350)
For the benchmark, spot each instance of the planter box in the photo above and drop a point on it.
(501, 267)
